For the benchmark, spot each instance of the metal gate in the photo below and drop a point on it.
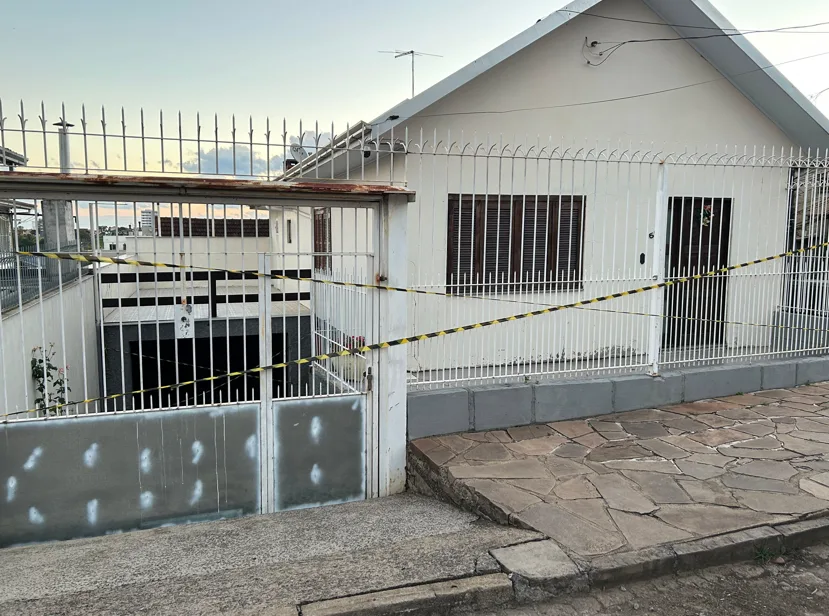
(236, 277)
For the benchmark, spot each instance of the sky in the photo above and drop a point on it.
(315, 61)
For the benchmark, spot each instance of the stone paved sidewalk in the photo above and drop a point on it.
(643, 478)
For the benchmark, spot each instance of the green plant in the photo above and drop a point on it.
(51, 381)
(764, 555)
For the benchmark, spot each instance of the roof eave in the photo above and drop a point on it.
(386, 121)
(742, 64)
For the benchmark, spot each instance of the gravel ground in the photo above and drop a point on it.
(795, 585)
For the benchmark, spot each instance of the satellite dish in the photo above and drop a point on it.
(298, 152)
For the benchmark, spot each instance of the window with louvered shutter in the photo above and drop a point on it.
(460, 262)
(497, 244)
(503, 244)
(568, 241)
(322, 238)
(535, 261)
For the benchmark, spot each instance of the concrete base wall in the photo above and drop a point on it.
(76, 477)
(65, 477)
(443, 411)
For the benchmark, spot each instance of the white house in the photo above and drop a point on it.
(611, 144)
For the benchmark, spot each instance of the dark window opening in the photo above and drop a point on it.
(159, 359)
(506, 244)
(322, 238)
(808, 225)
(699, 231)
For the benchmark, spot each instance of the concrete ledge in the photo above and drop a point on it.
(480, 592)
(812, 370)
(438, 411)
(643, 392)
(718, 381)
(540, 570)
(491, 407)
(778, 375)
(807, 532)
(502, 406)
(572, 399)
(740, 545)
(628, 566)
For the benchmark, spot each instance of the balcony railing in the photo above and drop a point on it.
(24, 279)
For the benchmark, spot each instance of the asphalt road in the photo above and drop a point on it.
(799, 587)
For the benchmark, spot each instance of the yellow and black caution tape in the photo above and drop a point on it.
(89, 258)
(416, 338)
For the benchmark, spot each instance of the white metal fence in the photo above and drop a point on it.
(499, 227)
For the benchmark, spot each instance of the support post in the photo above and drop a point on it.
(267, 448)
(658, 250)
(58, 222)
(390, 380)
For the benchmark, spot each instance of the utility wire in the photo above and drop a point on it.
(606, 100)
(736, 32)
(616, 45)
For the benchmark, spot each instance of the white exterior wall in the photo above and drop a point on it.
(61, 315)
(620, 197)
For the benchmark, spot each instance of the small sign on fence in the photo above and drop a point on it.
(184, 321)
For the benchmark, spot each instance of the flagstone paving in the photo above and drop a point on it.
(647, 477)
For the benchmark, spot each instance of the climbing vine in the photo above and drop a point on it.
(51, 381)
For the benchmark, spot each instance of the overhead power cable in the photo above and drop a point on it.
(734, 31)
(606, 100)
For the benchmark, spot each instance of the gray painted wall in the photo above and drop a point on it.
(488, 407)
(320, 451)
(76, 477)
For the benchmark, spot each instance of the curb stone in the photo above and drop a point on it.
(628, 566)
(720, 549)
(802, 534)
(539, 570)
(614, 569)
(481, 592)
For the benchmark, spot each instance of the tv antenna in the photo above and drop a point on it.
(411, 52)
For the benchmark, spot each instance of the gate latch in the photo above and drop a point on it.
(369, 379)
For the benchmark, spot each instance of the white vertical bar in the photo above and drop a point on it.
(391, 375)
(658, 267)
(267, 445)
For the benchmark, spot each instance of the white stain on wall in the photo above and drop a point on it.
(35, 516)
(90, 456)
(198, 450)
(198, 488)
(31, 463)
(146, 500)
(316, 475)
(250, 446)
(11, 489)
(145, 461)
(92, 512)
(316, 430)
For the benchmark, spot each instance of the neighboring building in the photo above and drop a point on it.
(148, 222)
(506, 212)
(11, 159)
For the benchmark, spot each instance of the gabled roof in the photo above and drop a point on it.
(733, 56)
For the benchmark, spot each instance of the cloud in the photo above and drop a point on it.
(221, 161)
